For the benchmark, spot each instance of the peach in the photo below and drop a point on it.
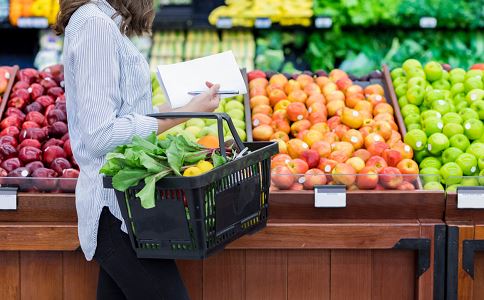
(262, 109)
(304, 80)
(330, 137)
(282, 105)
(374, 89)
(257, 91)
(258, 82)
(373, 138)
(352, 118)
(315, 98)
(317, 117)
(344, 147)
(276, 96)
(279, 115)
(281, 125)
(365, 131)
(354, 137)
(394, 138)
(334, 106)
(384, 117)
(282, 145)
(262, 133)
(405, 150)
(337, 74)
(383, 129)
(323, 148)
(327, 165)
(300, 135)
(280, 135)
(297, 96)
(317, 107)
(312, 89)
(352, 100)
(382, 108)
(377, 148)
(312, 178)
(363, 154)
(313, 136)
(335, 95)
(409, 169)
(363, 105)
(278, 80)
(354, 90)
(282, 177)
(344, 174)
(291, 86)
(321, 81)
(261, 119)
(344, 83)
(341, 130)
(376, 162)
(259, 100)
(329, 88)
(321, 127)
(311, 157)
(393, 157)
(298, 166)
(405, 186)
(357, 163)
(390, 177)
(376, 99)
(367, 178)
(333, 122)
(280, 159)
(339, 156)
(296, 111)
(300, 126)
(296, 147)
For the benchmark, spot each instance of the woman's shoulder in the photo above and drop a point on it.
(89, 14)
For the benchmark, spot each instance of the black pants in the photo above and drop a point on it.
(123, 276)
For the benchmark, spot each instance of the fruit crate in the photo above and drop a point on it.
(196, 216)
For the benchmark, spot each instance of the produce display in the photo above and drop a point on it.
(443, 110)
(330, 131)
(34, 8)
(34, 139)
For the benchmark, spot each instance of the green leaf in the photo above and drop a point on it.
(147, 194)
(112, 167)
(148, 145)
(127, 178)
(218, 160)
(150, 164)
(175, 158)
(194, 157)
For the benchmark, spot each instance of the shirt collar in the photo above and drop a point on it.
(106, 8)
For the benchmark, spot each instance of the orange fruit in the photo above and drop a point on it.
(209, 142)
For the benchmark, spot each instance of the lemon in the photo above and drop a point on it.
(192, 171)
(204, 166)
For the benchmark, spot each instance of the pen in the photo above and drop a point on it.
(194, 93)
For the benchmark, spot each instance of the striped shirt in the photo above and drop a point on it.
(108, 91)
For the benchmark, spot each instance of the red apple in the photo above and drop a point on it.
(298, 166)
(367, 179)
(409, 169)
(390, 177)
(377, 148)
(311, 157)
(376, 162)
(282, 177)
(363, 154)
(312, 178)
(344, 174)
(393, 157)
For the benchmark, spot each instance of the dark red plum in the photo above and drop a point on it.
(39, 134)
(10, 121)
(7, 151)
(36, 90)
(29, 154)
(36, 117)
(55, 92)
(30, 124)
(45, 101)
(53, 152)
(34, 106)
(12, 111)
(55, 115)
(60, 164)
(7, 139)
(52, 142)
(58, 129)
(11, 164)
(30, 143)
(11, 131)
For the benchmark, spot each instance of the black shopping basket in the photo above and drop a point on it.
(197, 216)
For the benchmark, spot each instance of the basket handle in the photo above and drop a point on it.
(220, 117)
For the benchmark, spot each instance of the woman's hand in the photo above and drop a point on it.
(205, 102)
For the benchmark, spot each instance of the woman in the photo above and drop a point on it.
(108, 94)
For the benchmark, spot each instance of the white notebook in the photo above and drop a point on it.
(178, 80)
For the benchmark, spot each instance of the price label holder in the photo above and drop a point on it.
(263, 23)
(428, 22)
(323, 22)
(330, 196)
(224, 23)
(8, 198)
(33, 22)
(470, 197)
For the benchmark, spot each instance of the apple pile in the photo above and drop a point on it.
(443, 110)
(34, 139)
(330, 131)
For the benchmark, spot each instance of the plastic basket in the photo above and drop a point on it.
(197, 216)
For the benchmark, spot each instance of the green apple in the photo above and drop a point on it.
(397, 72)
(233, 105)
(478, 106)
(417, 72)
(430, 114)
(441, 106)
(399, 81)
(413, 126)
(437, 143)
(194, 130)
(430, 174)
(458, 98)
(433, 71)
(441, 85)
(469, 181)
(433, 186)
(468, 163)
(411, 64)
(473, 129)
(473, 83)
(474, 73)
(189, 135)
(415, 94)
(476, 149)
(445, 75)
(480, 163)
(410, 109)
(242, 134)
(412, 119)
(417, 81)
(457, 71)
(474, 95)
(209, 122)
(419, 156)
(209, 131)
(239, 98)
(459, 141)
(451, 154)
(468, 113)
(236, 114)
(416, 138)
(481, 177)
(196, 122)
(401, 90)
(452, 129)
(430, 162)
(402, 101)
(435, 95)
(452, 188)
(451, 173)
(239, 124)
(460, 106)
(457, 88)
(452, 117)
(432, 125)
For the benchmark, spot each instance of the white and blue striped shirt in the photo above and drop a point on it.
(108, 91)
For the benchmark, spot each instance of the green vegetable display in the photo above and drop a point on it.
(151, 160)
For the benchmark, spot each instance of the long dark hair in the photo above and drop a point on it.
(137, 15)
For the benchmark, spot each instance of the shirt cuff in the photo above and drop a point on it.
(145, 125)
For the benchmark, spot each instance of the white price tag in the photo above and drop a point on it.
(323, 22)
(263, 23)
(470, 197)
(330, 196)
(33, 23)
(8, 198)
(428, 22)
(224, 23)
